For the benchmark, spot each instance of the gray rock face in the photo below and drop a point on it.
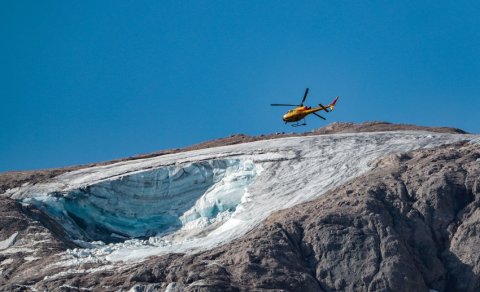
(411, 224)
(36, 240)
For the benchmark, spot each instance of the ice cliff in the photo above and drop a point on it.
(153, 202)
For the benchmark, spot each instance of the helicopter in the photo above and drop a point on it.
(301, 111)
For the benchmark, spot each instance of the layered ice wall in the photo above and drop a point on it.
(152, 203)
(197, 200)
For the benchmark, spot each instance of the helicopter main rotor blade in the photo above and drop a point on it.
(283, 104)
(304, 96)
(324, 107)
(319, 116)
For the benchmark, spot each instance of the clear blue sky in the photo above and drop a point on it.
(86, 81)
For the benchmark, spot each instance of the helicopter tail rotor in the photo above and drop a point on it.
(334, 102)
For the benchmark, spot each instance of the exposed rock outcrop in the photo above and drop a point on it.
(35, 240)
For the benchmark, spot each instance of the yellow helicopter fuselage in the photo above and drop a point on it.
(300, 113)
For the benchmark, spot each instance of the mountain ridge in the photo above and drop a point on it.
(11, 179)
(363, 227)
(408, 223)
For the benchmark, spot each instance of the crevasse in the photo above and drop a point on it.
(154, 202)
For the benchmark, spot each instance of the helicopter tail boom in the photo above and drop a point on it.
(334, 102)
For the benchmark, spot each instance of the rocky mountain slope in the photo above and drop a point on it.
(408, 223)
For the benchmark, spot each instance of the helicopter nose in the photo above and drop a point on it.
(284, 118)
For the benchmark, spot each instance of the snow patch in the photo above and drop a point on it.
(31, 259)
(175, 287)
(77, 271)
(6, 262)
(4, 244)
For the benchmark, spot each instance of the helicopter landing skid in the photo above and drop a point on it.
(297, 124)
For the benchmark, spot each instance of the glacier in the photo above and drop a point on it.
(196, 200)
(151, 203)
